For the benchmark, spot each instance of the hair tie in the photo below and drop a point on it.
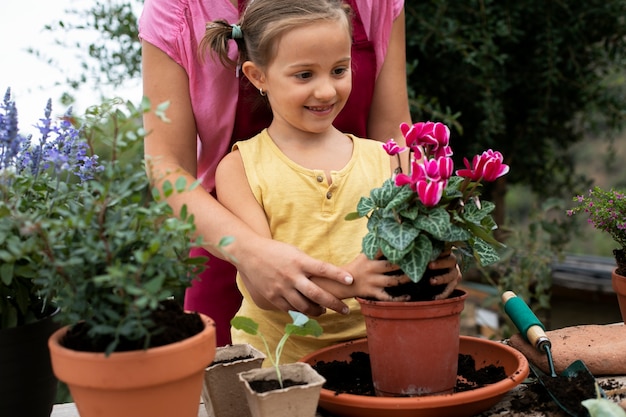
(237, 33)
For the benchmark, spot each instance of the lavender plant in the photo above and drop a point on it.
(85, 232)
(36, 178)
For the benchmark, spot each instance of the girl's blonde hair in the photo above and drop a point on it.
(262, 24)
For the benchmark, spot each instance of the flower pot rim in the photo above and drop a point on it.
(238, 349)
(448, 300)
(269, 373)
(131, 355)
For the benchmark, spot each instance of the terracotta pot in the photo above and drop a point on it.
(27, 385)
(223, 394)
(159, 382)
(414, 346)
(294, 401)
(619, 286)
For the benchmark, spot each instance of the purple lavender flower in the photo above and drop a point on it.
(59, 148)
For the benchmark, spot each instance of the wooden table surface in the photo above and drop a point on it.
(506, 407)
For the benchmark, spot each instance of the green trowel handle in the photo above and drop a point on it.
(525, 320)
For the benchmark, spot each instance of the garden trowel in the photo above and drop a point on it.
(575, 384)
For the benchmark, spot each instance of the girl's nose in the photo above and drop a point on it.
(325, 90)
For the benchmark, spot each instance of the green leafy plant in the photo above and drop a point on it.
(606, 211)
(301, 326)
(89, 234)
(415, 217)
(603, 407)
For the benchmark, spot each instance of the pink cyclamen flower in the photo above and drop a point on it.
(392, 148)
(430, 192)
(436, 169)
(429, 134)
(487, 166)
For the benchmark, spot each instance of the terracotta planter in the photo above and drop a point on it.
(223, 394)
(294, 401)
(27, 385)
(414, 346)
(159, 382)
(619, 286)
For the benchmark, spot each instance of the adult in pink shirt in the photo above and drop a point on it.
(210, 108)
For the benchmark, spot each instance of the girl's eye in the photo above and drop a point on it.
(304, 75)
(340, 71)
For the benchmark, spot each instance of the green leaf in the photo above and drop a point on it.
(364, 206)
(353, 216)
(436, 223)
(370, 246)
(246, 324)
(181, 184)
(6, 273)
(303, 325)
(298, 318)
(398, 235)
(602, 407)
(484, 252)
(384, 195)
(167, 188)
(415, 262)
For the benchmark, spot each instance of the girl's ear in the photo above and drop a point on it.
(254, 74)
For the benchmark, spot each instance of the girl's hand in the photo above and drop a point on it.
(451, 278)
(371, 277)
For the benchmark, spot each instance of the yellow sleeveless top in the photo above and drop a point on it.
(304, 211)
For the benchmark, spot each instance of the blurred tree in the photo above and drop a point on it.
(528, 78)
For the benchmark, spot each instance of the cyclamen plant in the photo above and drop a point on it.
(606, 211)
(415, 217)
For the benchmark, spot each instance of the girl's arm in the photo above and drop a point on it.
(281, 271)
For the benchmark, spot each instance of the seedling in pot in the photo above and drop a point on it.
(301, 326)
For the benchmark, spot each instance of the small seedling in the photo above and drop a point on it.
(301, 326)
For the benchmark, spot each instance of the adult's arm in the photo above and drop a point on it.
(390, 103)
(281, 271)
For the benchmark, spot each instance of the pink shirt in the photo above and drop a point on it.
(177, 26)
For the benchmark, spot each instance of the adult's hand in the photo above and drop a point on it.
(277, 275)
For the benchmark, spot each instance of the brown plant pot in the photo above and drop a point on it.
(619, 286)
(159, 382)
(223, 394)
(414, 346)
(294, 401)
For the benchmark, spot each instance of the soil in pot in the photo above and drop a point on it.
(262, 386)
(620, 259)
(176, 323)
(355, 377)
(419, 291)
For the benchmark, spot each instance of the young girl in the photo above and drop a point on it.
(296, 181)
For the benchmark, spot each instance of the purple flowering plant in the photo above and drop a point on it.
(416, 216)
(606, 211)
(36, 178)
(88, 234)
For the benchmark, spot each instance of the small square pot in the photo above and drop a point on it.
(222, 393)
(294, 401)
